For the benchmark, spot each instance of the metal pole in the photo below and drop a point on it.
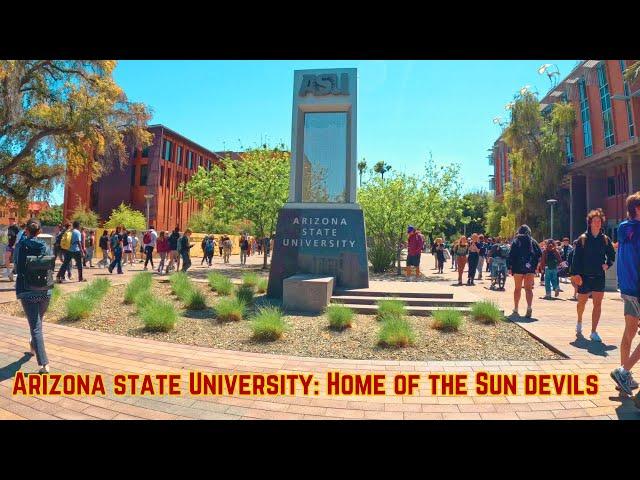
(148, 213)
(551, 220)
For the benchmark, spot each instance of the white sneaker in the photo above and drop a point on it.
(595, 337)
(579, 328)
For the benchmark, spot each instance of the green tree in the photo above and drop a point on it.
(254, 189)
(473, 206)
(381, 167)
(362, 166)
(62, 114)
(51, 217)
(87, 218)
(632, 72)
(125, 215)
(494, 214)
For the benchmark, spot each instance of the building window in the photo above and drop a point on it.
(568, 139)
(189, 159)
(145, 153)
(605, 102)
(161, 176)
(179, 155)
(144, 170)
(166, 151)
(584, 117)
(611, 186)
(133, 175)
(628, 103)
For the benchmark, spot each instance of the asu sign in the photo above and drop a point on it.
(324, 84)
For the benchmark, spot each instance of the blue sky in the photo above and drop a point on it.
(405, 108)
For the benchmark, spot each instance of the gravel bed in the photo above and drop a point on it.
(308, 336)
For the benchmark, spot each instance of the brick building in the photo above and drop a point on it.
(10, 213)
(157, 170)
(602, 154)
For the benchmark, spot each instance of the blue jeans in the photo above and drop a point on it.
(186, 261)
(35, 310)
(550, 280)
(117, 261)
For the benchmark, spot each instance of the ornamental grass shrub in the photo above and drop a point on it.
(229, 309)
(262, 285)
(251, 279)
(396, 332)
(268, 324)
(56, 294)
(180, 284)
(390, 308)
(143, 299)
(195, 300)
(159, 316)
(97, 289)
(220, 284)
(140, 283)
(245, 294)
(486, 312)
(447, 319)
(340, 317)
(79, 306)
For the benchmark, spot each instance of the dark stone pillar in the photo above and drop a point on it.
(578, 205)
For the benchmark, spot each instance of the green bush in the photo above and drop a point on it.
(340, 317)
(268, 324)
(390, 308)
(262, 285)
(396, 332)
(159, 316)
(486, 312)
(244, 293)
(381, 257)
(229, 309)
(56, 294)
(447, 319)
(97, 289)
(219, 283)
(140, 283)
(195, 300)
(79, 305)
(180, 283)
(251, 279)
(143, 299)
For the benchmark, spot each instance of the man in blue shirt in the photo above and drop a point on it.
(628, 270)
(74, 253)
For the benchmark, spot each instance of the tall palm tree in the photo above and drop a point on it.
(381, 168)
(362, 166)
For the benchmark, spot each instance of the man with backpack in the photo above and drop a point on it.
(184, 248)
(174, 257)
(115, 243)
(244, 249)
(209, 246)
(71, 243)
(104, 246)
(497, 259)
(522, 263)
(149, 241)
(593, 256)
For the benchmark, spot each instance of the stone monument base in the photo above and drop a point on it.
(320, 241)
(307, 292)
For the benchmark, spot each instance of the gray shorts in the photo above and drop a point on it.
(631, 305)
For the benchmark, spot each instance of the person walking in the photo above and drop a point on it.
(202, 245)
(104, 246)
(593, 256)
(244, 249)
(34, 286)
(220, 241)
(174, 257)
(565, 249)
(522, 263)
(184, 247)
(74, 252)
(454, 261)
(549, 263)
(440, 254)
(90, 247)
(473, 259)
(628, 270)
(226, 249)
(461, 252)
(415, 245)
(482, 254)
(127, 248)
(162, 246)
(208, 249)
(115, 242)
(149, 241)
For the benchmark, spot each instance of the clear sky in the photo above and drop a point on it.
(405, 108)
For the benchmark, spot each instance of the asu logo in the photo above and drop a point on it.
(324, 84)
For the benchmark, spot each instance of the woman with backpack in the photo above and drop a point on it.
(522, 263)
(549, 263)
(34, 285)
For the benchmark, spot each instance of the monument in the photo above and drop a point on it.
(320, 230)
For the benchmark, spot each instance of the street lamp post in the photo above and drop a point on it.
(551, 202)
(148, 198)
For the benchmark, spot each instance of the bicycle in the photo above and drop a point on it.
(498, 275)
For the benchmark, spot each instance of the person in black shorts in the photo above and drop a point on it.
(593, 256)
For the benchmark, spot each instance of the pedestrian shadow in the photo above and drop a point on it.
(594, 348)
(553, 299)
(626, 410)
(10, 370)
(518, 319)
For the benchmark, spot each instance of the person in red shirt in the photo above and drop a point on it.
(415, 245)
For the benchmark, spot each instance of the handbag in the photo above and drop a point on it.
(39, 272)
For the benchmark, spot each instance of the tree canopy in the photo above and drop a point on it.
(58, 114)
(51, 217)
(125, 215)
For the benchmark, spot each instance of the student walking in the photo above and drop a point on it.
(473, 259)
(226, 249)
(593, 256)
(162, 245)
(244, 249)
(209, 246)
(115, 242)
(628, 270)
(482, 254)
(220, 241)
(461, 252)
(523, 260)
(89, 248)
(549, 263)
(72, 243)
(415, 244)
(34, 285)
(104, 246)
(149, 242)
(440, 254)
(174, 257)
(184, 247)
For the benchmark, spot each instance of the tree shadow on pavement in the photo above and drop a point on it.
(627, 410)
(10, 370)
(594, 348)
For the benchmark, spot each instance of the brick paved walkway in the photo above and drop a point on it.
(76, 350)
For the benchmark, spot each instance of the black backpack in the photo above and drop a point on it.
(38, 274)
